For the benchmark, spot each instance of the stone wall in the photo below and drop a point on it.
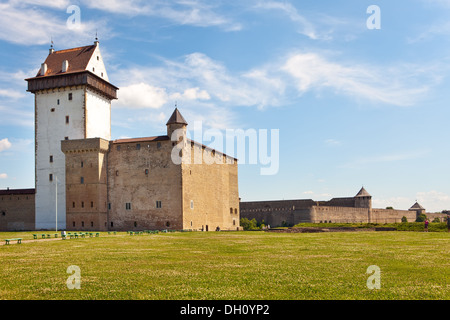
(17, 210)
(144, 186)
(210, 190)
(86, 184)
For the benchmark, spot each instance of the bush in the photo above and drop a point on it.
(249, 224)
(404, 219)
(421, 217)
(436, 220)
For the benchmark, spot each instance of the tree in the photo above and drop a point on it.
(404, 219)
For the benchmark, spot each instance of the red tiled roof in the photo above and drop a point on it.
(78, 59)
(143, 139)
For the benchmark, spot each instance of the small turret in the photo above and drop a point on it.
(176, 124)
(363, 199)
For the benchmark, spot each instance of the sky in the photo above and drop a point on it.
(349, 94)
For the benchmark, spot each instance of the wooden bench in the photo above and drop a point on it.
(19, 240)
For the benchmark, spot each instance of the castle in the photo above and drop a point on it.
(357, 209)
(86, 181)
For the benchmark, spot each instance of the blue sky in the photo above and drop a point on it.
(354, 106)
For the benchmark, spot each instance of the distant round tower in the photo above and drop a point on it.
(363, 199)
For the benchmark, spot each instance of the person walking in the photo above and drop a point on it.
(426, 225)
(448, 222)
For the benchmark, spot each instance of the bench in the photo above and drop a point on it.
(19, 240)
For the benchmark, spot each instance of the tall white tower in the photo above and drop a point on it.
(72, 101)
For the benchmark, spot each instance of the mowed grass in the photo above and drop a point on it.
(229, 265)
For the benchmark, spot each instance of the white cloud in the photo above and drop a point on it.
(182, 12)
(192, 94)
(394, 86)
(141, 95)
(434, 201)
(394, 157)
(3, 176)
(5, 144)
(333, 142)
(305, 26)
(10, 93)
(32, 22)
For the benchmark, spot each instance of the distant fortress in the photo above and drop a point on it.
(357, 209)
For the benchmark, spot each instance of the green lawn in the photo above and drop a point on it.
(229, 265)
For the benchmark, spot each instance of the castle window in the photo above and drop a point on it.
(128, 206)
(117, 172)
(52, 109)
(158, 204)
(73, 204)
(82, 180)
(192, 204)
(167, 224)
(98, 58)
(73, 224)
(93, 69)
(109, 206)
(57, 102)
(231, 210)
(92, 204)
(66, 138)
(234, 222)
(82, 204)
(158, 145)
(70, 96)
(118, 148)
(235, 210)
(146, 171)
(82, 164)
(138, 146)
(82, 223)
(3, 213)
(50, 177)
(51, 159)
(92, 223)
(102, 74)
(67, 119)
(135, 224)
(112, 224)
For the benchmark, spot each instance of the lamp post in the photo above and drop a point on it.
(56, 204)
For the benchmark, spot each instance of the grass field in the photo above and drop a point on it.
(229, 265)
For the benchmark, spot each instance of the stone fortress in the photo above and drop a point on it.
(357, 209)
(86, 181)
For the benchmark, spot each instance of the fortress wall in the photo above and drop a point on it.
(340, 214)
(17, 211)
(392, 216)
(339, 202)
(278, 217)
